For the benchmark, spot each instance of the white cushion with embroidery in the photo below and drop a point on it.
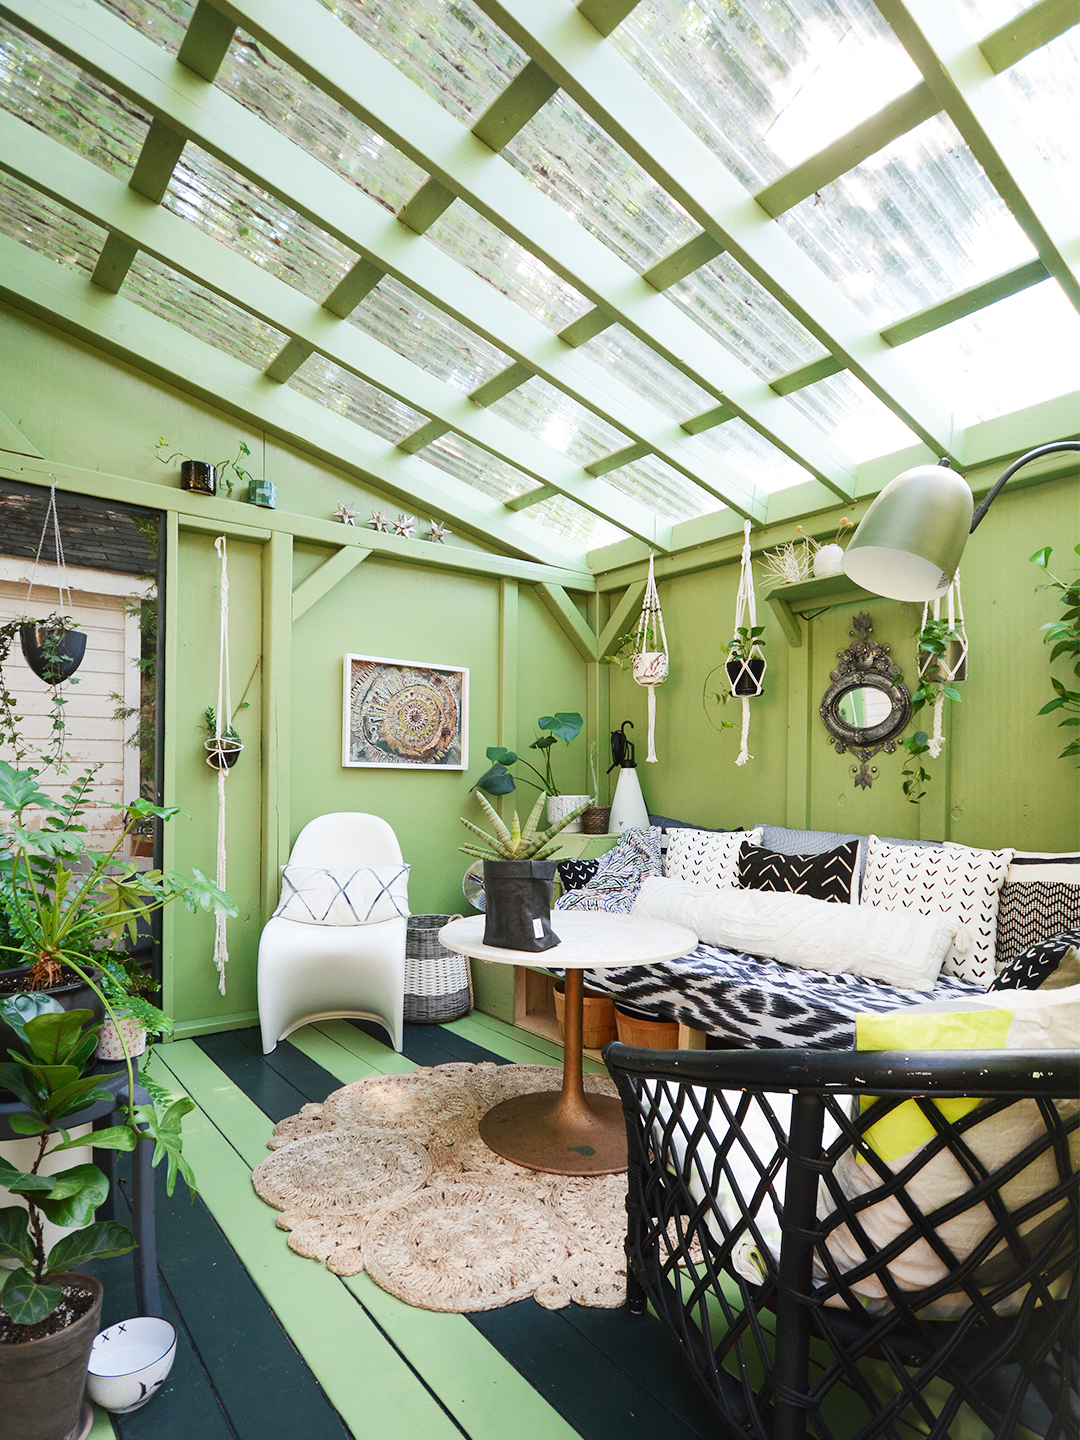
(708, 858)
(362, 896)
(961, 882)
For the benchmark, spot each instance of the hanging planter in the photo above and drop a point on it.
(942, 659)
(745, 665)
(745, 677)
(650, 653)
(52, 650)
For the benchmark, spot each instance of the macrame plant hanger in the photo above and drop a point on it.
(651, 652)
(742, 680)
(950, 667)
(223, 749)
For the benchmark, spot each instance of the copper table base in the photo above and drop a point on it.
(543, 1132)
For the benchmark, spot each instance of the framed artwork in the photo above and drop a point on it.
(405, 713)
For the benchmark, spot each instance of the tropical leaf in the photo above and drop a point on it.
(27, 1005)
(164, 1130)
(101, 1241)
(26, 1300)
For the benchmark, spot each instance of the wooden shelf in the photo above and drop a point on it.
(788, 602)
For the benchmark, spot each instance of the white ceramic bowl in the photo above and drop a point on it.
(128, 1363)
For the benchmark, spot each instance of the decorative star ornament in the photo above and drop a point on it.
(404, 526)
(346, 514)
(438, 532)
(379, 521)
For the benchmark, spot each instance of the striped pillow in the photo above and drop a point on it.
(1040, 897)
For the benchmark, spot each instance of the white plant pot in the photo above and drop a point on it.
(129, 1362)
(560, 805)
(109, 1046)
(828, 560)
(651, 667)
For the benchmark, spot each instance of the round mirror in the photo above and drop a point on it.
(864, 708)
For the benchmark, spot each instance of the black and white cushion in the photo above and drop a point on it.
(1040, 897)
(707, 857)
(368, 895)
(827, 876)
(618, 876)
(573, 874)
(1039, 964)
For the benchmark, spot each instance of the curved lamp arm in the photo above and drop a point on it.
(1035, 454)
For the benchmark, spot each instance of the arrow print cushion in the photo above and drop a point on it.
(828, 876)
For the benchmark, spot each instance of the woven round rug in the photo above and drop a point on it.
(389, 1175)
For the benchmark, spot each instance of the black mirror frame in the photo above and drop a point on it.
(865, 663)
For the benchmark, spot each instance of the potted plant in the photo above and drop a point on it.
(222, 751)
(1064, 637)
(53, 648)
(49, 1311)
(518, 876)
(745, 669)
(202, 476)
(564, 726)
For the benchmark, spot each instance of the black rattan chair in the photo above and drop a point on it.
(804, 1277)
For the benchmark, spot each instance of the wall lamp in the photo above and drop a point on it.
(909, 543)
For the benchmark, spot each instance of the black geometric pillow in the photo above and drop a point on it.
(1040, 897)
(1037, 963)
(576, 873)
(822, 877)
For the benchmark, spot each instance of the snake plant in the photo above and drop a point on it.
(514, 843)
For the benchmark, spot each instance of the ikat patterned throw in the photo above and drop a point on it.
(829, 876)
(313, 896)
(1040, 897)
(963, 883)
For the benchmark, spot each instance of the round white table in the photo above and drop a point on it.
(566, 1132)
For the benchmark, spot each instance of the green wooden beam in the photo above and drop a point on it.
(570, 619)
(690, 256)
(13, 439)
(965, 303)
(586, 327)
(619, 619)
(707, 420)
(508, 664)
(143, 72)
(206, 40)
(353, 287)
(954, 67)
(425, 206)
(866, 139)
(512, 110)
(611, 92)
(277, 562)
(1036, 26)
(333, 570)
(807, 375)
(501, 384)
(617, 460)
(605, 15)
(116, 259)
(531, 498)
(157, 160)
(426, 435)
(113, 324)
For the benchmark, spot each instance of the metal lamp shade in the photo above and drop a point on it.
(909, 544)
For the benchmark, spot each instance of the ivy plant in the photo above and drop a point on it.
(1063, 636)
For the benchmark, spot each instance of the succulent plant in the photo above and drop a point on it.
(514, 843)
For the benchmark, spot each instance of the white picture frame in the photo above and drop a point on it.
(404, 714)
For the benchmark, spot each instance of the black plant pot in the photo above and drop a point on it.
(51, 653)
(199, 476)
(222, 754)
(517, 915)
(75, 996)
(741, 682)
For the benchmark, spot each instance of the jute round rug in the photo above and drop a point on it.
(389, 1175)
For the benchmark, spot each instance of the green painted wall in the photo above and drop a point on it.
(999, 781)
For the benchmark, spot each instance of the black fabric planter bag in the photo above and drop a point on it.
(518, 911)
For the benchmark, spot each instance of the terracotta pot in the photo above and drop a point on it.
(42, 1381)
(51, 654)
(199, 476)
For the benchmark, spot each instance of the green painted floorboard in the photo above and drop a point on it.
(484, 1392)
(521, 1046)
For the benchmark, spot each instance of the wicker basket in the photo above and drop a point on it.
(438, 985)
(647, 1032)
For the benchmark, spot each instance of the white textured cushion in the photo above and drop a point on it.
(707, 857)
(899, 946)
(962, 882)
(364, 896)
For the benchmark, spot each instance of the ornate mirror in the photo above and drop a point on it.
(866, 706)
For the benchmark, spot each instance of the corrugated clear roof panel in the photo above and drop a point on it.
(268, 87)
(449, 48)
(566, 517)
(164, 21)
(466, 236)
(559, 422)
(983, 16)
(426, 335)
(647, 374)
(764, 84)
(573, 161)
(465, 461)
(752, 456)
(657, 484)
(224, 204)
(201, 313)
(853, 417)
(1044, 87)
(1022, 350)
(912, 225)
(728, 303)
(346, 394)
(62, 101)
(49, 228)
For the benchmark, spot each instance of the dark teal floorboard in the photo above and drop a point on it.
(310, 1079)
(432, 1045)
(269, 1089)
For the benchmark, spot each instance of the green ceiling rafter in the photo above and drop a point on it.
(61, 297)
(531, 498)
(511, 111)
(353, 75)
(606, 15)
(956, 70)
(966, 302)
(206, 41)
(142, 71)
(1025, 32)
(807, 375)
(611, 92)
(56, 171)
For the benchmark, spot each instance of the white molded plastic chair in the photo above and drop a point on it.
(321, 972)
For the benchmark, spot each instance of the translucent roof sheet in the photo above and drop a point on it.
(464, 460)
(654, 482)
(264, 84)
(1044, 89)
(983, 16)
(50, 229)
(861, 424)
(448, 47)
(647, 374)
(221, 202)
(751, 455)
(506, 265)
(765, 84)
(427, 336)
(1009, 355)
(565, 517)
(346, 394)
(65, 103)
(163, 21)
(201, 313)
(581, 168)
(559, 422)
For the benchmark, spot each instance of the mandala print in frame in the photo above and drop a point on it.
(405, 713)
